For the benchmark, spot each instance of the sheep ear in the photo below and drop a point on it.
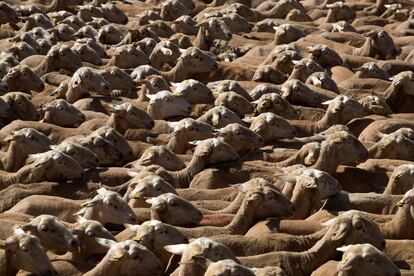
(327, 102)
(105, 242)
(80, 219)
(17, 230)
(132, 173)
(176, 248)
(295, 61)
(182, 51)
(387, 6)
(9, 245)
(344, 248)
(166, 51)
(342, 231)
(102, 191)
(76, 80)
(248, 120)
(149, 96)
(172, 124)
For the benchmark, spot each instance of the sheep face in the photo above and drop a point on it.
(267, 73)
(154, 235)
(87, 231)
(150, 186)
(22, 78)
(116, 139)
(63, 57)
(129, 57)
(90, 80)
(8, 15)
(160, 155)
(322, 80)
(227, 267)
(374, 105)
(217, 29)
(324, 56)
(353, 227)
(86, 32)
(108, 207)
(85, 157)
(160, 28)
(404, 81)
(237, 23)
(371, 70)
(113, 14)
(304, 68)
(401, 179)
(118, 79)
(164, 104)
(274, 103)
(272, 127)
(34, 140)
(164, 52)
(74, 21)
(63, 32)
(217, 151)
(174, 210)
(345, 109)
(52, 233)
(99, 49)
(229, 85)
(284, 61)
(107, 152)
(5, 67)
(198, 61)
(296, 92)
(360, 259)
(87, 54)
(21, 50)
(391, 145)
(202, 247)
(185, 25)
(133, 117)
(234, 102)
(21, 106)
(193, 91)
(383, 44)
(286, 33)
(62, 113)
(171, 10)
(220, 116)
(109, 34)
(44, 46)
(240, 138)
(28, 254)
(127, 256)
(342, 141)
(340, 12)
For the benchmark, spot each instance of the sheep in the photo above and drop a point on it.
(165, 104)
(340, 110)
(193, 91)
(9, 15)
(154, 235)
(208, 31)
(160, 155)
(62, 113)
(105, 207)
(82, 82)
(85, 157)
(350, 229)
(87, 54)
(235, 103)
(390, 144)
(248, 213)
(16, 248)
(22, 143)
(149, 186)
(400, 180)
(124, 116)
(201, 247)
(125, 257)
(240, 138)
(219, 117)
(22, 78)
(274, 103)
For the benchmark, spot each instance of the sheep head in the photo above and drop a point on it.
(62, 113)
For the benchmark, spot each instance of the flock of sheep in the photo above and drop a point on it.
(199, 137)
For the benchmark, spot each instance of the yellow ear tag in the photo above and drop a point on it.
(401, 203)
(2, 242)
(137, 238)
(118, 255)
(343, 261)
(137, 195)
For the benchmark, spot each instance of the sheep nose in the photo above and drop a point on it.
(383, 244)
(132, 219)
(261, 141)
(74, 243)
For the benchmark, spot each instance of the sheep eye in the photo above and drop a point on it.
(44, 228)
(24, 248)
(173, 203)
(116, 206)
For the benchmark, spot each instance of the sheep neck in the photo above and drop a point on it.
(329, 119)
(327, 161)
(397, 227)
(393, 96)
(177, 144)
(93, 213)
(366, 49)
(9, 262)
(14, 157)
(115, 122)
(105, 267)
(202, 40)
(182, 178)
(304, 201)
(44, 67)
(243, 220)
(178, 73)
(317, 255)
(75, 93)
